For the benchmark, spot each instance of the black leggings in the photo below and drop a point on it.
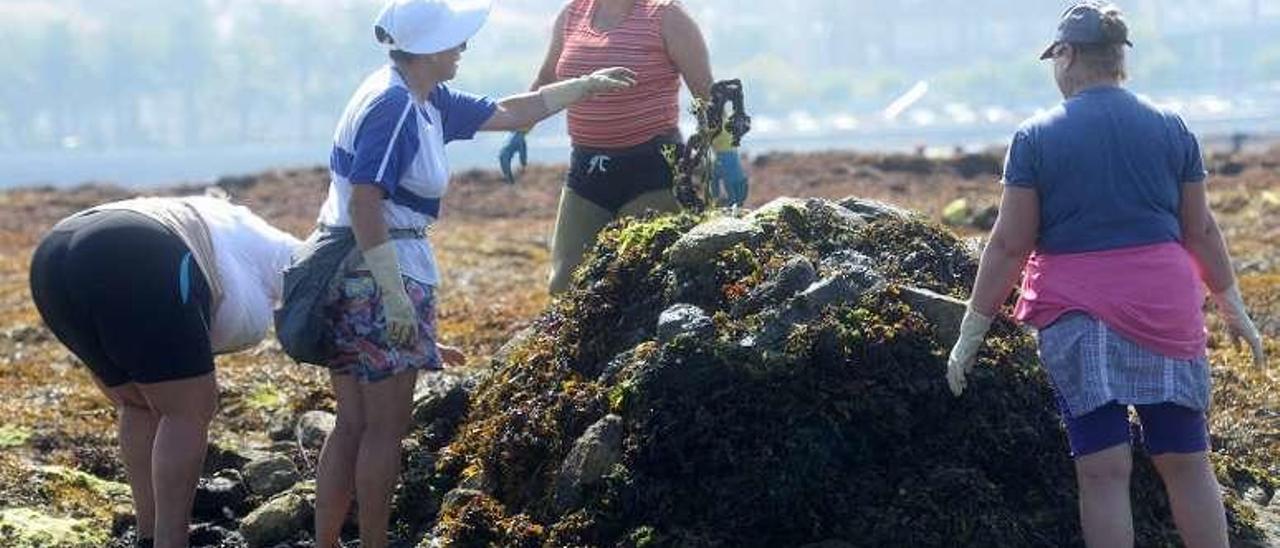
(124, 294)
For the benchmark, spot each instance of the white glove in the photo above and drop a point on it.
(973, 329)
(560, 95)
(402, 319)
(1239, 325)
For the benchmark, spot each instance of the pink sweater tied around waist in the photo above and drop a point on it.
(1151, 294)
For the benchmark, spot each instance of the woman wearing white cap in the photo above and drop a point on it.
(389, 173)
(1105, 215)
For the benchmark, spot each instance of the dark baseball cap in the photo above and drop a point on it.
(1082, 24)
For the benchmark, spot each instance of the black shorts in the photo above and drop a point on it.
(124, 294)
(610, 178)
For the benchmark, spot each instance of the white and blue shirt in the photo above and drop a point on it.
(388, 139)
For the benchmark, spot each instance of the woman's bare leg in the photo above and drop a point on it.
(1195, 497)
(1105, 512)
(185, 408)
(137, 432)
(335, 474)
(388, 411)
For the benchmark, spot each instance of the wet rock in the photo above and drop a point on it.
(223, 496)
(281, 427)
(222, 455)
(280, 518)
(32, 528)
(684, 319)
(313, 427)
(1258, 495)
(874, 210)
(845, 260)
(61, 478)
(209, 535)
(442, 397)
(795, 275)
(845, 286)
(702, 244)
(458, 498)
(943, 311)
(592, 458)
(798, 211)
(270, 475)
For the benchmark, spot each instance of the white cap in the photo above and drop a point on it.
(429, 26)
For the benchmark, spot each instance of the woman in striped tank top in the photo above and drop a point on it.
(616, 167)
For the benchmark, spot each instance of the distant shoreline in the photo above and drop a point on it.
(159, 167)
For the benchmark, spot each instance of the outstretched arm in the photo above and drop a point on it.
(528, 106)
(525, 109)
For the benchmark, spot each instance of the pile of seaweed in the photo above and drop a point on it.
(775, 379)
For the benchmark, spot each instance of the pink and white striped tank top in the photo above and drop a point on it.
(630, 117)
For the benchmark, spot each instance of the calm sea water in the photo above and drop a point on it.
(151, 167)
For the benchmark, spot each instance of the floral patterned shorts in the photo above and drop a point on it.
(359, 330)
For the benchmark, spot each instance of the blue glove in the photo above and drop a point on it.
(729, 175)
(515, 145)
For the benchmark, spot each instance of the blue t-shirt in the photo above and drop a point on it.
(1107, 167)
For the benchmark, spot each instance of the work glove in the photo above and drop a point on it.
(973, 329)
(402, 319)
(1239, 325)
(559, 95)
(728, 171)
(515, 146)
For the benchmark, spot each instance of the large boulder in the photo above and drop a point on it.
(593, 457)
(280, 518)
(706, 241)
(270, 475)
(30, 528)
(809, 407)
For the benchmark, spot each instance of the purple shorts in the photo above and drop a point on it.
(1166, 428)
(360, 330)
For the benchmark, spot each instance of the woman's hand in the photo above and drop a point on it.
(610, 79)
(1239, 325)
(560, 95)
(973, 329)
(452, 356)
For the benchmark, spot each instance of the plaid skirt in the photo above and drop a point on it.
(359, 329)
(1091, 365)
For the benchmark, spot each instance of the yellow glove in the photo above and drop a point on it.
(560, 95)
(723, 139)
(402, 319)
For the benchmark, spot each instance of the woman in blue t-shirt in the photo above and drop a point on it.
(1104, 214)
(389, 173)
